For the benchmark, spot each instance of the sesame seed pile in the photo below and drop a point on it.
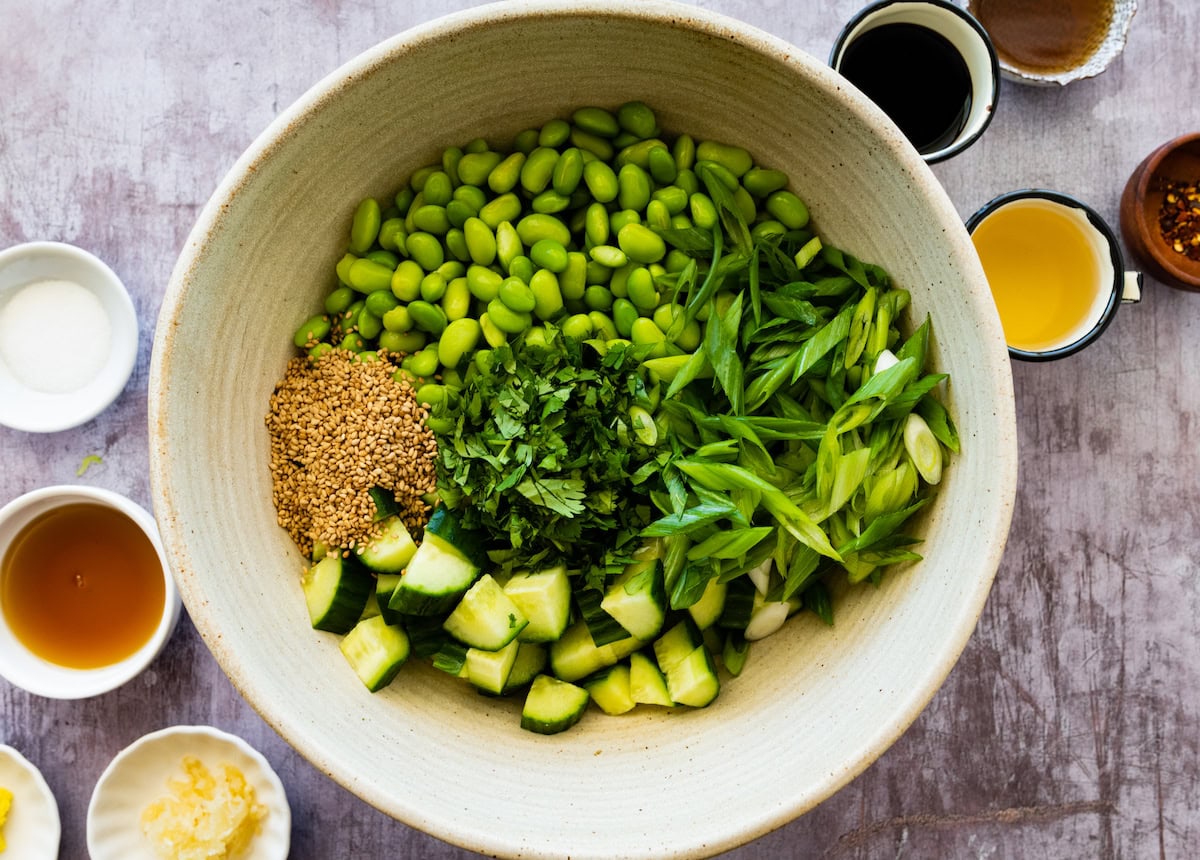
(338, 428)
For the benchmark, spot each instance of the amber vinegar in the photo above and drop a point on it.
(1045, 36)
(82, 586)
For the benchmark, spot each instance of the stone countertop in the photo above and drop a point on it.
(1071, 724)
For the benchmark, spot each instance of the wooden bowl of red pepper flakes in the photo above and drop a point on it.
(1160, 213)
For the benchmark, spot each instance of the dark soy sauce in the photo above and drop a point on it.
(917, 77)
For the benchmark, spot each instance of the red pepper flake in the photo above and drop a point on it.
(1179, 217)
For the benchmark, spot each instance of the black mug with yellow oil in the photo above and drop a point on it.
(1055, 269)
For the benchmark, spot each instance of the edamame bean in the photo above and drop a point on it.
(578, 326)
(621, 217)
(456, 244)
(383, 258)
(608, 255)
(427, 317)
(481, 241)
(318, 350)
(521, 267)
(538, 169)
(601, 181)
(365, 225)
(535, 338)
(474, 167)
(475, 146)
(403, 199)
(689, 338)
(492, 334)
(788, 209)
(641, 289)
(688, 181)
(602, 325)
(456, 303)
(661, 165)
(657, 215)
(597, 121)
(641, 244)
(547, 295)
(459, 340)
(711, 170)
(549, 254)
(745, 204)
(438, 189)
(676, 260)
(340, 299)
(573, 280)
(369, 325)
(406, 342)
(349, 317)
(595, 225)
(549, 202)
(422, 364)
(704, 213)
(639, 153)
(426, 250)
(516, 295)
(684, 152)
(770, 227)
(388, 232)
(398, 320)
(458, 212)
(598, 298)
(506, 319)
(623, 314)
(633, 187)
(554, 133)
(508, 244)
(533, 228)
(483, 283)
(433, 287)
(644, 331)
(352, 342)
(406, 281)
(343, 268)
(761, 181)
(735, 159)
(432, 219)
(380, 302)
(637, 119)
(451, 378)
(568, 171)
(506, 207)
(421, 174)
(430, 393)
(312, 330)
(526, 141)
(505, 175)
(450, 159)
(366, 276)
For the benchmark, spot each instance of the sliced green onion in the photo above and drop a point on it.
(923, 448)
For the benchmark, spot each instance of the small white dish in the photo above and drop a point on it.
(25, 408)
(139, 775)
(33, 829)
(27, 670)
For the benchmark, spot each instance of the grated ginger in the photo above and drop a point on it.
(5, 806)
(205, 817)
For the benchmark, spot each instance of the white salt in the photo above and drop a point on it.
(55, 336)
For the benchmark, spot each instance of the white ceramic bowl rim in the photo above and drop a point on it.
(239, 665)
(30, 672)
(37, 412)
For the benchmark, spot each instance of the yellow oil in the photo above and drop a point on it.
(1047, 272)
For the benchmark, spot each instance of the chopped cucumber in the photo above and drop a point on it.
(336, 591)
(446, 526)
(638, 600)
(435, 579)
(552, 706)
(486, 617)
(575, 655)
(603, 628)
(489, 670)
(392, 550)
(708, 608)
(739, 604)
(375, 650)
(531, 662)
(676, 644)
(610, 689)
(545, 599)
(693, 680)
(735, 652)
(385, 503)
(647, 685)
(385, 586)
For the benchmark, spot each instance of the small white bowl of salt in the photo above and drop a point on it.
(68, 336)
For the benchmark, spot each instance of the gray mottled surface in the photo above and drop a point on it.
(1071, 725)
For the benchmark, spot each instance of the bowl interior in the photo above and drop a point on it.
(815, 705)
(1175, 163)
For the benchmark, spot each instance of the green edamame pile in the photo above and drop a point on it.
(565, 228)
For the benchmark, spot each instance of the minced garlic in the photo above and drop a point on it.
(5, 806)
(205, 817)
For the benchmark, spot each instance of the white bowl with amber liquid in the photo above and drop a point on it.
(87, 599)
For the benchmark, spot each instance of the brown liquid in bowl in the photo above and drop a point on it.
(1045, 36)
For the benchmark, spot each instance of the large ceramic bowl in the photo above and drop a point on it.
(815, 705)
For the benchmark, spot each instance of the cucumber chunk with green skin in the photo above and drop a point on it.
(575, 655)
(544, 598)
(647, 685)
(602, 627)
(531, 662)
(489, 670)
(610, 689)
(486, 617)
(434, 581)
(676, 644)
(708, 608)
(638, 599)
(693, 680)
(735, 652)
(336, 590)
(392, 550)
(375, 650)
(445, 524)
(385, 586)
(385, 503)
(553, 706)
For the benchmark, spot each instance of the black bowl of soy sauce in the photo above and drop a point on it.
(929, 65)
